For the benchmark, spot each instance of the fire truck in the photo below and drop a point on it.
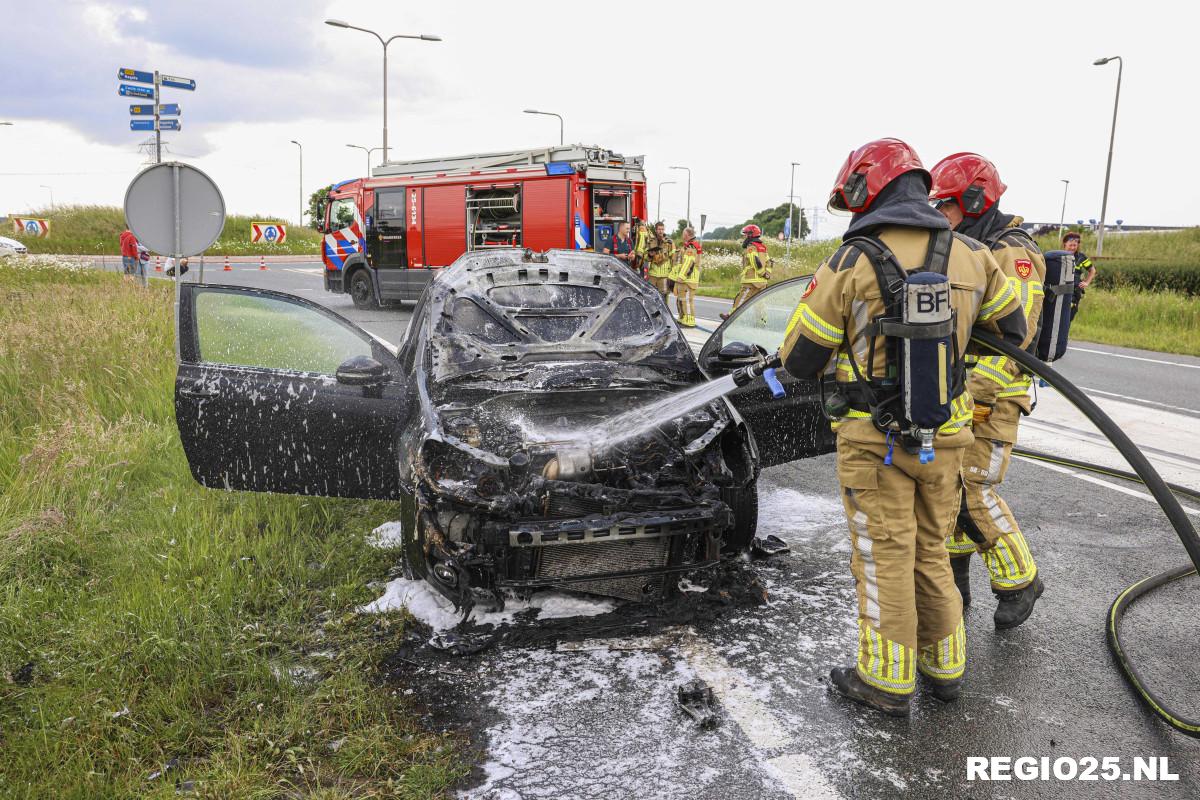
(386, 236)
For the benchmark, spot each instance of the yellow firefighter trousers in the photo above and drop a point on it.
(685, 300)
(747, 291)
(909, 612)
(660, 284)
(986, 524)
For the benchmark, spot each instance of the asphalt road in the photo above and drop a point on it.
(602, 721)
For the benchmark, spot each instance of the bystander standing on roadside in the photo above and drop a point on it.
(183, 267)
(131, 263)
(1085, 270)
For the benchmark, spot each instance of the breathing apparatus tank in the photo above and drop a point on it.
(1056, 305)
(927, 354)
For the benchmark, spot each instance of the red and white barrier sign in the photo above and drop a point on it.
(269, 232)
(31, 226)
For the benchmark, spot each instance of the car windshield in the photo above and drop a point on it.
(499, 310)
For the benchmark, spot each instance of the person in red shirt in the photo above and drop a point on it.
(130, 260)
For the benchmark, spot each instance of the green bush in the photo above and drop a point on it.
(1149, 277)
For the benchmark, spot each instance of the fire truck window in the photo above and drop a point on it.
(389, 205)
(493, 217)
(341, 214)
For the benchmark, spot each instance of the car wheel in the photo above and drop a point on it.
(744, 503)
(361, 290)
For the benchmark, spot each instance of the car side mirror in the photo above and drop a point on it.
(733, 355)
(361, 371)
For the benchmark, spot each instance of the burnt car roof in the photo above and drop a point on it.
(512, 307)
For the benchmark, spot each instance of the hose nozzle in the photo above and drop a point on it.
(764, 369)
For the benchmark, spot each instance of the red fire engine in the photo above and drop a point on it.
(386, 235)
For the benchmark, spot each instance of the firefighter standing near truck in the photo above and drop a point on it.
(659, 256)
(1085, 270)
(643, 237)
(967, 190)
(756, 267)
(686, 275)
(893, 307)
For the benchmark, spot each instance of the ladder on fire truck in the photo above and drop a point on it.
(592, 158)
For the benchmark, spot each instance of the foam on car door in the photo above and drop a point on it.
(790, 428)
(264, 428)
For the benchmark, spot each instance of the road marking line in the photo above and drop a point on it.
(801, 777)
(1141, 400)
(302, 270)
(796, 772)
(1083, 476)
(1135, 358)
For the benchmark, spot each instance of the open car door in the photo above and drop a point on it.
(276, 394)
(787, 429)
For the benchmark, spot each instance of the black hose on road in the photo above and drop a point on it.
(1144, 473)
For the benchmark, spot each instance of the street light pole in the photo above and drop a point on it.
(337, 23)
(1111, 138)
(368, 151)
(301, 219)
(51, 190)
(791, 211)
(1062, 218)
(689, 193)
(550, 114)
(658, 211)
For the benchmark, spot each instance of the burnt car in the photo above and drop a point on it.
(534, 424)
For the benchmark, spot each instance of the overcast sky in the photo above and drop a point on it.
(736, 91)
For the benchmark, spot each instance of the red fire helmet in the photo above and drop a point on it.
(870, 168)
(751, 230)
(970, 180)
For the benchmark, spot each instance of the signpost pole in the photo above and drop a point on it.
(157, 132)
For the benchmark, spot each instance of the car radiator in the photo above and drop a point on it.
(573, 560)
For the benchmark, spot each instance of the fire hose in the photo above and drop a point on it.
(1164, 495)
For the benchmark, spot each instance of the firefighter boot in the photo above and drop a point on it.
(945, 690)
(847, 683)
(962, 577)
(1016, 605)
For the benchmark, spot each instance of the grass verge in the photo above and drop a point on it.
(146, 622)
(1167, 322)
(93, 230)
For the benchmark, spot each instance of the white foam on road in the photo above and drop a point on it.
(425, 604)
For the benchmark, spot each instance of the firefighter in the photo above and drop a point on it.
(660, 255)
(643, 237)
(686, 274)
(756, 267)
(1085, 270)
(899, 504)
(967, 190)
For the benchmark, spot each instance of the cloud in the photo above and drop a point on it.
(252, 62)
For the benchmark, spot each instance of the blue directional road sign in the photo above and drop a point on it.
(136, 91)
(177, 83)
(166, 110)
(135, 75)
(148, 125)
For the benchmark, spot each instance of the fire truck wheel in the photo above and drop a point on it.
(361, 290)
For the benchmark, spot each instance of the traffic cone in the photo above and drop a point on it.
(157, 264)
(262, 263)
(227, 267)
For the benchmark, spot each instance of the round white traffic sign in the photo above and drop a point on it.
(174, 209)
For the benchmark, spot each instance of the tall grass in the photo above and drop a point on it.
(93, 230)
(721, 264)
(1164, 321)
(146, 621)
